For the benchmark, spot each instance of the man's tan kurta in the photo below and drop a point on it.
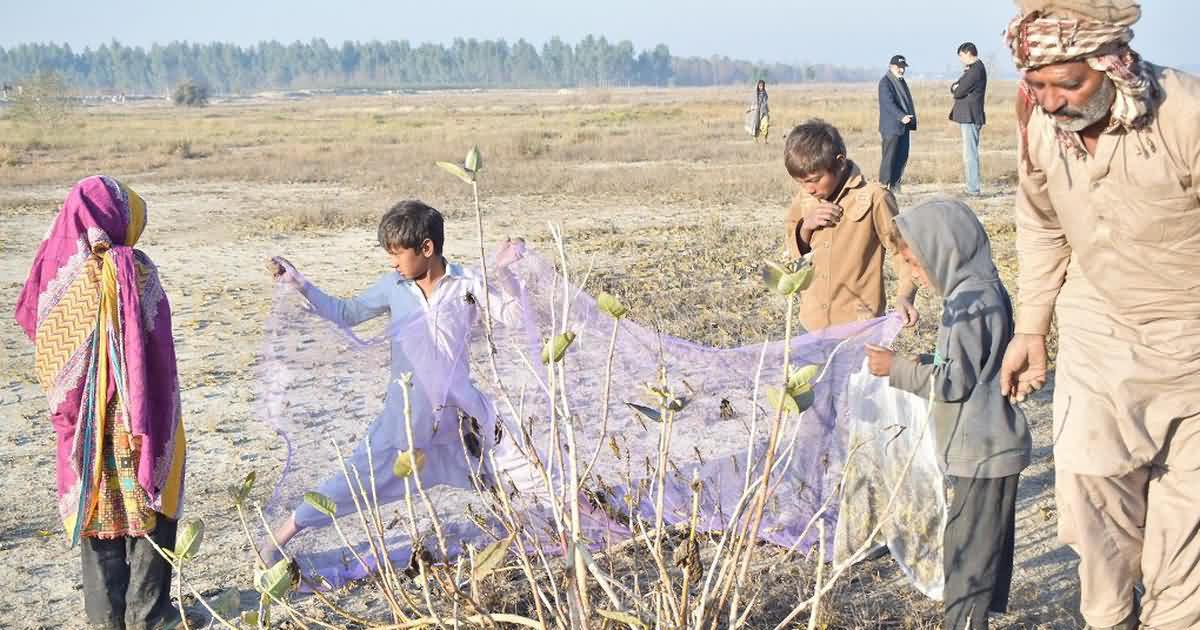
(1110, 243)
(848, 258)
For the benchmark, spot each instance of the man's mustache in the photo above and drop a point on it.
(1067, 112)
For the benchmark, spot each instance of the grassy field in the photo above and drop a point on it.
(671, 146)
(660, 190)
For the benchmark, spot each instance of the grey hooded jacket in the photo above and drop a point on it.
(977, 431)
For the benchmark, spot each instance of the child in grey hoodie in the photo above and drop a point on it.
(982, 439)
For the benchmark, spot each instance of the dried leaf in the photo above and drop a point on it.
(646, 412)
(321, 503)
(457, 171)
(491, 558)
(622, 617)
(687, 557)
(408, 462)
(187, 542)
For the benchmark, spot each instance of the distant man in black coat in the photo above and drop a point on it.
(968, 93)
(897, 117)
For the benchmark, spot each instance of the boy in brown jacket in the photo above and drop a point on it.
(846, 223)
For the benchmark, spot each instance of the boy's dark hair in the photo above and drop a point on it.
(407, 225)
(968, 47)
(813, 147)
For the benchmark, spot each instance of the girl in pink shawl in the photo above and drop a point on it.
(105, 358)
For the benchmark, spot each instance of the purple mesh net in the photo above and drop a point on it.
(322, 384)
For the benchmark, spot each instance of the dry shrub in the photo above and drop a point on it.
(182, 149)
(533, 144)
(322, 217)
(10, 156)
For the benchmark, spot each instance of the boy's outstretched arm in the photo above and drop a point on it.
(351, 312)
(505, 298)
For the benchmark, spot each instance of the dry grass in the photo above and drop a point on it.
(673, 146)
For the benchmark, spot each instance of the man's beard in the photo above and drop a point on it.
(1095, 110)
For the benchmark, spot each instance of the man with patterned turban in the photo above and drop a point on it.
(1108, 237)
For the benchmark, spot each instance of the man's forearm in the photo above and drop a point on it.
(906, 290)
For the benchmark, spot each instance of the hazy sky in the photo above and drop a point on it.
(849, 32)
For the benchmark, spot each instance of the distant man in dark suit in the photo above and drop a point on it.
(968, 94)
(897, 117)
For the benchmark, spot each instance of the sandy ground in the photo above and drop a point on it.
(209, 241)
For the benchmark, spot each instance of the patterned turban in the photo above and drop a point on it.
(1098, 32)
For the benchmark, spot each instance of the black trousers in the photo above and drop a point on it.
(978, 550)
(126, 584)
(895, 158)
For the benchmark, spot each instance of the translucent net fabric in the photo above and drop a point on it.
(321, 384)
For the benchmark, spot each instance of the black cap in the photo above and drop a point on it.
(899, 60)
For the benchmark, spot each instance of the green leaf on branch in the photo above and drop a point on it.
(780, 399)
(801, 381)
(555, 348)
(408, 462)
(227, 603)
(491, 557)
(804, 400)
(321, 503)
(474, 161)
(278, 580)
(241, 492)
(457, 171)
(787, 279)
(187, 543)
(611, 305)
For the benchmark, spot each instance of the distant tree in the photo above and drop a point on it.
(593, 60)
(190, 94)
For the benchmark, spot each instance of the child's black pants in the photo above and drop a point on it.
(126, 584)
(978, 547)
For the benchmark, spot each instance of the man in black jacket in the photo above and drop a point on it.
(968, 94)
(897, 117)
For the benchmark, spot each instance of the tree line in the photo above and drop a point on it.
(230, 68)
